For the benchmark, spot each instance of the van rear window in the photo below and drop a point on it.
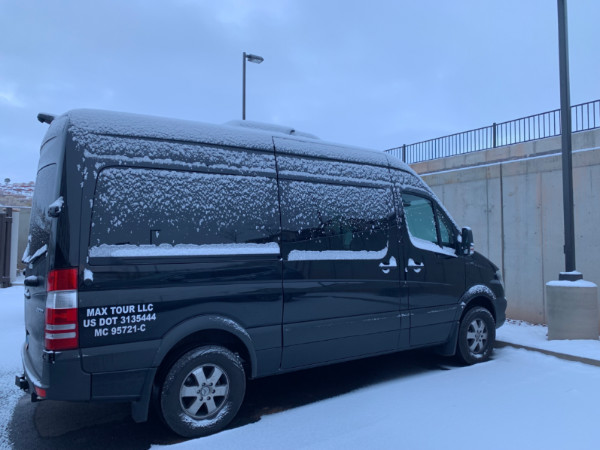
(153, 208)
(40, 224)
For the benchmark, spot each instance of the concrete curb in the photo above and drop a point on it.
(581, 359)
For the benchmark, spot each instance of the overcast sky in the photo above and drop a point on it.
(371, 73)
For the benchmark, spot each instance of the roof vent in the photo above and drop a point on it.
(281, 129)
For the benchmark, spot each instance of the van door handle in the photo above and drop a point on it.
(385, 268)
(413, 265)
(31, 280)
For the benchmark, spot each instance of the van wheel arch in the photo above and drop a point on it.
(481, 301)
(217, 337)
(451, 346)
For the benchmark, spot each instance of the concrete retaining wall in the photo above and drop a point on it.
(512, 199)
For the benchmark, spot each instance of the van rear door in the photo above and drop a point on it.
(41, 239)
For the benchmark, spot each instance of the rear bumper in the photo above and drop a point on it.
(61, 377)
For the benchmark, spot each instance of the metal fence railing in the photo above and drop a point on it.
(585, 116)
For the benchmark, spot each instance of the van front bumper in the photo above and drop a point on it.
(501, 304)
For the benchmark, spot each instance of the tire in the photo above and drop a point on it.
(203, 391)
(476, 336)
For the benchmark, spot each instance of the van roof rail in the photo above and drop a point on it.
(45, 118)
(270, 127)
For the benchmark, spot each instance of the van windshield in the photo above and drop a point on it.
(40, 224)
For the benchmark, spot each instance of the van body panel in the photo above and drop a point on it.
(295, 251)
(118, 357)
(121, 385)
(434, 274)
(161, 295)
(337, 350)
(336, 239)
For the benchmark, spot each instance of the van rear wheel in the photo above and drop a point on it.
(476, 336)
(203, 391)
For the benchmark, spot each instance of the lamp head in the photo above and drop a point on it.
(254, 58)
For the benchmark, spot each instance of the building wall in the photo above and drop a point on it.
(512, 199)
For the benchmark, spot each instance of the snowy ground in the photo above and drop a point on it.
(519, 400)
(12, 332)
(526, 334)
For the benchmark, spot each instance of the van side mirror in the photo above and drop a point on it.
(467, 246)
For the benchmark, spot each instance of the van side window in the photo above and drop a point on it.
(447, 236)
(419, 217)
(151, 207)
(319, 216)
(424, 219)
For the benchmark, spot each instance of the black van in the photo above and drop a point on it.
(169, 261)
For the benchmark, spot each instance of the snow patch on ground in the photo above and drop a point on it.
(531, 401)
(536, 336)
(12, 334)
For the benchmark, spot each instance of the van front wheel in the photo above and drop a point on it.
(203, 391)
(476, 336)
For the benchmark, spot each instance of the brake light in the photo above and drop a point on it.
(61, 310)
(40, 392)
(62, 280)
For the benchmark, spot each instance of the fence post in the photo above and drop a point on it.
(5, 232)
(494, 135)
(403, 152)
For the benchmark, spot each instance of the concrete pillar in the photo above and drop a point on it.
(572, 310)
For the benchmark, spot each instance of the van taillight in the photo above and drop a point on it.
(61, 310)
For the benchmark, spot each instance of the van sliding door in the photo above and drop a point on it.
(340, 266)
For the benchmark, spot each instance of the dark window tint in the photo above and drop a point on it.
(419, 217)
(321, 217)
(447, 236)
(144, 206)
(40, 224)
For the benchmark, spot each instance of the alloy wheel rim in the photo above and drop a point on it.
(204, 391)
(477, 336)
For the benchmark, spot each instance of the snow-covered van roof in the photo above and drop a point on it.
(87, 124)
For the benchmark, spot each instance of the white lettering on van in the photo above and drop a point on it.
(123, 319)
(93, 312)
(127, 309)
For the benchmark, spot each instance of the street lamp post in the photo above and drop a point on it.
(571, 302)
(254, 59)
(567, 160)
